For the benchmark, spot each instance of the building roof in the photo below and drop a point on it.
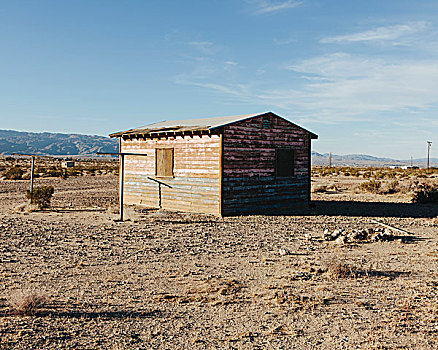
(203, 124)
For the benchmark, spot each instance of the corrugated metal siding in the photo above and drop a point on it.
(195, 186)
(249, 184)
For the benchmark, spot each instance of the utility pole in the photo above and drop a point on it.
(429, 144)
(330, 160)
(32, 168)
(31, 177)
(412, 162)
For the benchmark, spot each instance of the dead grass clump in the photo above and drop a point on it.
(392, 187)
(21, 207)
(13, 173)
(340, 269)
(372, 186)
(298, 301)
(27, 302)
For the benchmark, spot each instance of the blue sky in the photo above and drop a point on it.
(363, 75)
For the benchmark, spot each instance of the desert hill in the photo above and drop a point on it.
(54, 143)
(366, 160)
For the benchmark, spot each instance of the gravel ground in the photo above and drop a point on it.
(180, 281)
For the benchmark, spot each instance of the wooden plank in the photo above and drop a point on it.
(164, 161)
(199, 193)
(251, 194)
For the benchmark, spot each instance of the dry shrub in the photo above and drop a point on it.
(372, 186)
(425, 193)
(367, 174)
(27, 302)
(393, 187)
(57, 172)
(41, 196)
(13, 173)
(337, 268)
(405, 186)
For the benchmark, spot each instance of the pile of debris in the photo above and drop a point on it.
(342, 236)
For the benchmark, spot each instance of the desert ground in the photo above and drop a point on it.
(182, 281)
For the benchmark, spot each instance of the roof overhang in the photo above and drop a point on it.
(198, 126)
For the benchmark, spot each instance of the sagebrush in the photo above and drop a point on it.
(13, 173)
(41, 196)
(372, 186)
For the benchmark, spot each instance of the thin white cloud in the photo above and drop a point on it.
(355, 87)
(336, 65)
(337, 88)
(379, 34)
(237, 90)
(205, 47)
(284, 41)
(268, 6)
(330, 88)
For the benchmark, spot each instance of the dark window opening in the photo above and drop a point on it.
(284, 162)
(266, 124)
(164, 162)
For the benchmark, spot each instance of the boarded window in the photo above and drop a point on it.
(284, 162)
(266, 124)
(164, 162)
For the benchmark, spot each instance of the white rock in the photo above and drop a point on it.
(283, 251)
(340, 240)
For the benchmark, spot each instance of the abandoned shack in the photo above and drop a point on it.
(247, 164)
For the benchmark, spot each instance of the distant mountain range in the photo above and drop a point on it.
(87, 145)
(367, 160)
(54, 143)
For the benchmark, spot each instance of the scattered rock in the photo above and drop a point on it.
(341, 236)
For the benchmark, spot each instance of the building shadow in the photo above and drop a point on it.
(71, 210)
(369, 209)
(107, 314)
(347, 208)
(52, 312)
(387, 274)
